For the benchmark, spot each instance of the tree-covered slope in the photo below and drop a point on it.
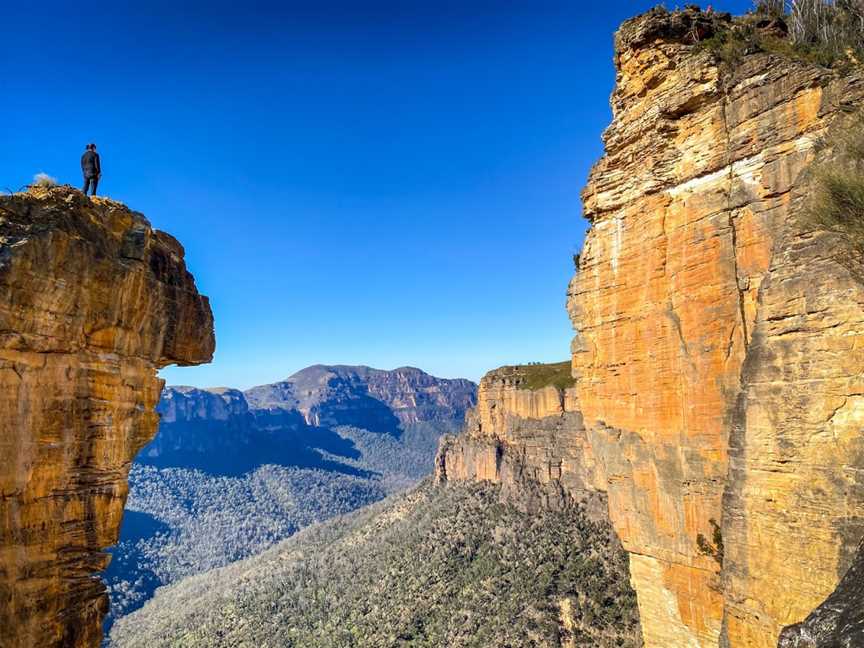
(229, 475)
(439, 566)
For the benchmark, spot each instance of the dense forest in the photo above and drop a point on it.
(439, 566)
(183, 521)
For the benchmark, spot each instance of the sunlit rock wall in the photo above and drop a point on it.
(718, 347)
(93, 301)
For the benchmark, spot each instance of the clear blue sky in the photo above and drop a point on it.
(354, 182)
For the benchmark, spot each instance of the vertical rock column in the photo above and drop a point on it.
(689, 205)
(93, 302)
(794, 508)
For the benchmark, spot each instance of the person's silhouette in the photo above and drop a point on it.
(91, 167)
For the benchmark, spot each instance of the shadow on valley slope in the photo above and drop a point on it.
(246, 442)
(231, 473)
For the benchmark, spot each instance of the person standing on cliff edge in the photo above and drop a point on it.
(91, 167)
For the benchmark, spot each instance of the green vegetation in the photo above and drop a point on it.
(200, 521)
(440, 566)
(538, 376)
(836, 203)
(716, 549)
(825, 32)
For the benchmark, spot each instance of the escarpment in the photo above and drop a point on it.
(366, 397)
(527, 439)
(719, 348)
(93, 301)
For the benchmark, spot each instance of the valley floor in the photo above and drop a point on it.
(441, 565)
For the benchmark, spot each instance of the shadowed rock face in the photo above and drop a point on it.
(839, 621)
(93, 301)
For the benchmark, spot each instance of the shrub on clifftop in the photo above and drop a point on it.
(836, 203)
(826, 32)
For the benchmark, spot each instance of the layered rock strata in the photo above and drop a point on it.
(93, 301)
(720, 346)
(527, 440)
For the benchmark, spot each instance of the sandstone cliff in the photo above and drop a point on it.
(719, 349)
(527, 434)
(93, 301)
(526, 439)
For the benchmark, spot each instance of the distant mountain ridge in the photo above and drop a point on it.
(232, 472)
(290, 417)
(334, 394)
(182, 403)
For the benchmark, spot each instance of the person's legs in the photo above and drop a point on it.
(95, 182)
(86, 185)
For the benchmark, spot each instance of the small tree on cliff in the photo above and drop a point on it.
(773, 8)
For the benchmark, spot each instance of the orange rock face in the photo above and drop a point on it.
(719, 351)
(526, 439)
(717, 346)
(93, 302)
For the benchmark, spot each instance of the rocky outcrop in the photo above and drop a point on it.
(93, 301)
(368, 398)
(527, 440)
(529, 437)
(719, 351)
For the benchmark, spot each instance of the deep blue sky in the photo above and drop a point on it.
(354, 182)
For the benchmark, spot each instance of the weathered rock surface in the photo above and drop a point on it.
(839, 621)
(719, 346)
(719, 349)
(525, 439)
(92, 302)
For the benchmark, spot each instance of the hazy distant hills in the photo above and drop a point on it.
(295, 422)
(217, 432)
(231, 472)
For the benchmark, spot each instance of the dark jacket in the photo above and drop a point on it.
(90, 164)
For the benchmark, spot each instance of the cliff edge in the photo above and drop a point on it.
(719, 351)
(93, 301)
